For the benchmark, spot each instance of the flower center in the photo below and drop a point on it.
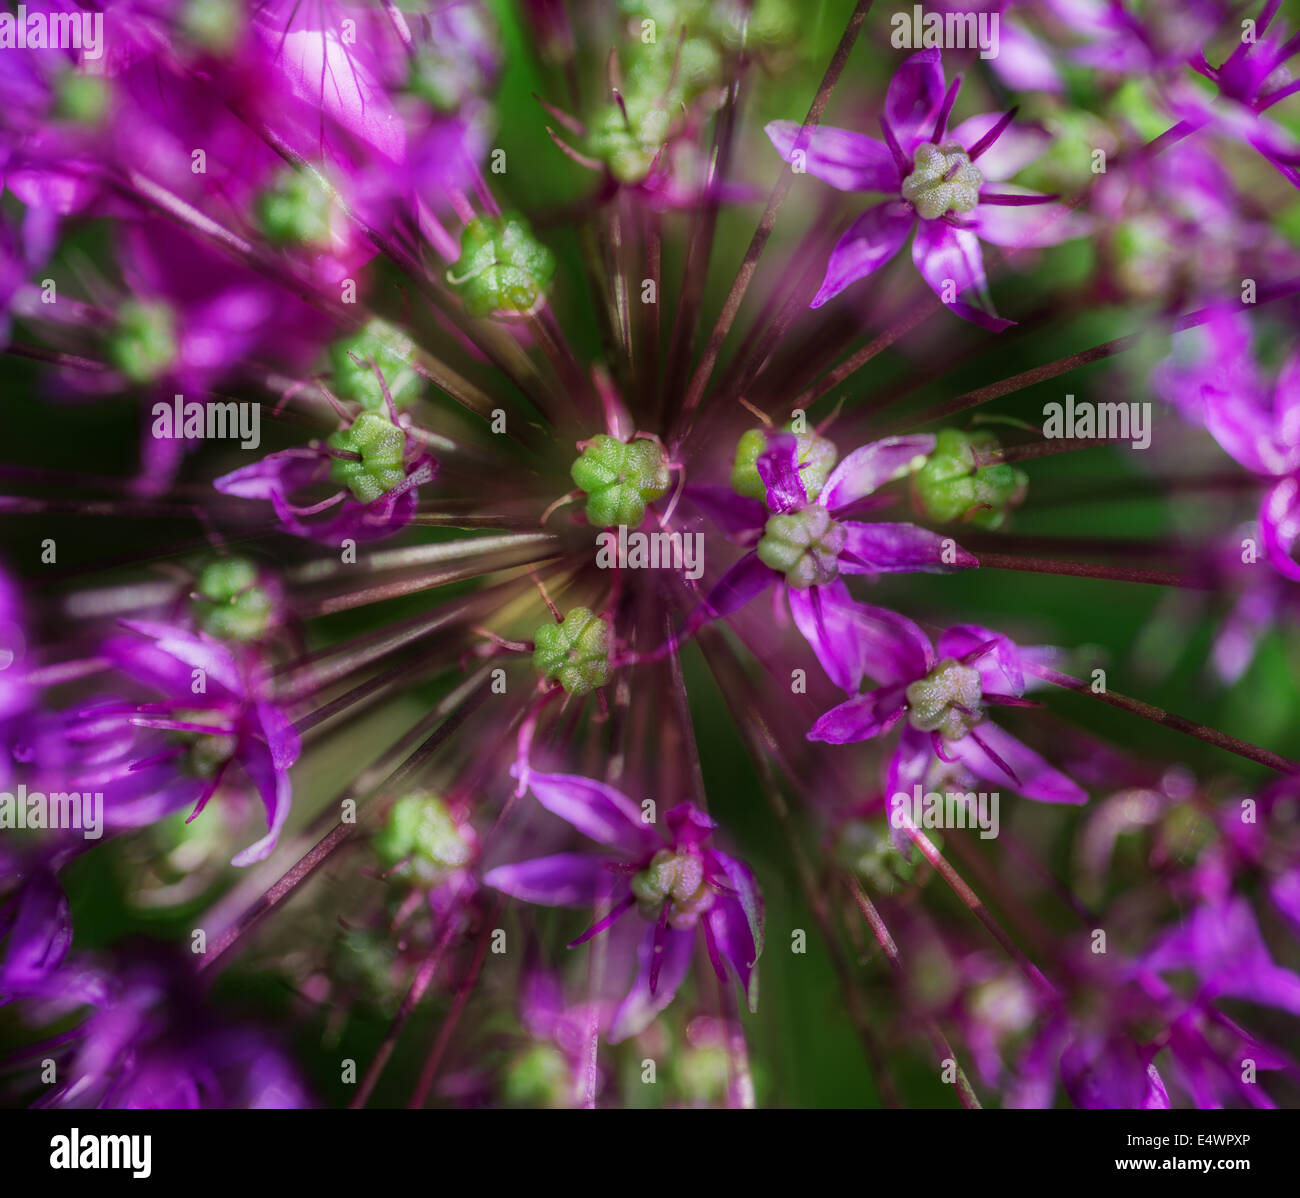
(943, 179)
(804, 546)
(946, 700)
(678, 877)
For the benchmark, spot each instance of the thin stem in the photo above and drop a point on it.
(730, 308)
(1211, 736)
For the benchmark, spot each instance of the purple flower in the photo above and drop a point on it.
(280, 476)
(942, 695)
(935, 186)
(149, 1042)
(804, 544)
(1256, 423)
(231, 725)
(677, 882)
(1250, 81)
(1221, 945)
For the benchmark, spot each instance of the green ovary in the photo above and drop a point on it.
(946, 700)
(949, 487)
(502, 269)
(422, 841)
(142, 344)
(379, 345)
(574, 653)
(620, 478)
(382, 446)
(943, 180)
(804, 546)
(230, 604)
(295, 210)
(678, 877)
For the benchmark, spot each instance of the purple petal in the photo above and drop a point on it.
(750, 903)
(849, 161)
(733, 942)
(875, 237)
(872, 466)
(564, 880)
(862, 718)
(1023, 64)
(745, 579)
(1107, 1075)
(778, 467)
(688, 825)
(277, 796)
(1279, 522)
(950, 260)
(1026, 226)
(41, 933)
(636, 1012)
(853, 640)
(1000, 668)
(915, 96)
(899, 549)
(1034, 778)
(604, 814)
(195, 651)
(1223, 946)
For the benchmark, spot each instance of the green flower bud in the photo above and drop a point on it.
(382, 446)
(502, 267)
(816, 460)
(388, 348)
(943, 179)
(620, 478)
(142, 343)
(80, 98)
(295, 210)
(421, 840)
(804, 546)
(538, 1077)
(949, 487)
(230, 603)
(867, 849)
(576, 652)
(947, 700)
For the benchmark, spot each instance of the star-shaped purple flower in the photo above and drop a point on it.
(936, 180)
(679, 884)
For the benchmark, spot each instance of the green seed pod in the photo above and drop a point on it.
(142, 343)
(382, 446)
(620, 478)
(230, 604)
(804, 546)
(576, 652)
(502, 269)
(421, 840)
(388, 348)
(295, 210)
(949, 487)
